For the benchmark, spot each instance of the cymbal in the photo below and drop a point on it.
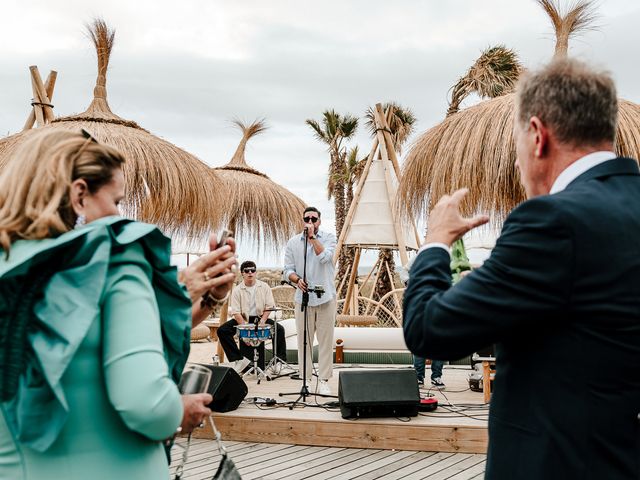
(272, 309)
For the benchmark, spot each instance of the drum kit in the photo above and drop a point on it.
(255, 334)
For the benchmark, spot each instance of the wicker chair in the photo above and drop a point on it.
(283, 296)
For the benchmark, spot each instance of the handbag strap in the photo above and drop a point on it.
(185, 453)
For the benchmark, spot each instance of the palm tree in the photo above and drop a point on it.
(401, 123)
(333, 130)
(493, 74)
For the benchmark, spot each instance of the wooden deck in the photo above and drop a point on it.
(295, 462)
(458, 426)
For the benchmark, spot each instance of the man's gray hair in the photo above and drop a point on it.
(578, 103)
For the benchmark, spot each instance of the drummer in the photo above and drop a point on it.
(250, 300)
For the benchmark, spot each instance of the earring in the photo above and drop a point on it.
(80, 221)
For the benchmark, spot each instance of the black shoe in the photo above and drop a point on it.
(437, 383)
(421, 382)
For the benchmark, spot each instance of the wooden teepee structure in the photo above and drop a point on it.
(474, 147)
(165, 185)
(372, 221)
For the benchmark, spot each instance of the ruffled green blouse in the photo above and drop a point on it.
(51, 291)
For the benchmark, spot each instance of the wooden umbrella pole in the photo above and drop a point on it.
(49, 86)
(352, 278)
(37, 108)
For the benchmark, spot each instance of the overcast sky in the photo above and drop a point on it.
(184, 69)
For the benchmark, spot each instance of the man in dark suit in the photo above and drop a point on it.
(559, 295)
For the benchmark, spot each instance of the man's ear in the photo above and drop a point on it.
(78, 194)
(541, 136)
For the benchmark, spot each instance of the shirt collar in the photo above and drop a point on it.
(578, 167)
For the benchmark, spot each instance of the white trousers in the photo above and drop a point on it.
(321, 322)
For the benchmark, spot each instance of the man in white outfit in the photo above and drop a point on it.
(321, 311)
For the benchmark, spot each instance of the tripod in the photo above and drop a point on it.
(260, 374)
(304, 390)
(275, 359)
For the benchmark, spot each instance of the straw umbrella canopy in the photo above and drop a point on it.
(256, 207)
(165, 185)
(474, 148)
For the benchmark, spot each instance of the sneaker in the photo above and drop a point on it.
(276, 368)
(240, 365)
(323, 387)
(437, 383)
(421, 382)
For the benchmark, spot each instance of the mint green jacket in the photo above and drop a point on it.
(98, 393)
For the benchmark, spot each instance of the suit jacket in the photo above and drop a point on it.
(560, 296)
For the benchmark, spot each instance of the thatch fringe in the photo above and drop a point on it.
(256, 208)
(579, 18)
(474, 148)
(165, 185)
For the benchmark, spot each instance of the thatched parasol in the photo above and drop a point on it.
(474, 148)
(165, 185)
(256, 207)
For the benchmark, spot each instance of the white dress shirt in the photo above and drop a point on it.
(320, 269)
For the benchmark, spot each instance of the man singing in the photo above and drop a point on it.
(321, 311)
(251, 299)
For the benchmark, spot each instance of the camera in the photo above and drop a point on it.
(318, 290)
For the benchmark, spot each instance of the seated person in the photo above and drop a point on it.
(249, 300)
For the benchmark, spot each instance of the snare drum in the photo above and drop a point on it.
(253, 335)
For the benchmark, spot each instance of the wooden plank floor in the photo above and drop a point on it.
(296, 462)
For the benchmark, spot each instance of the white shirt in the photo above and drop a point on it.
(253, 310)
(320, 269)
(567, 176)
(578, 167)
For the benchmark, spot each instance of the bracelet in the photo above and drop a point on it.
(209, 301)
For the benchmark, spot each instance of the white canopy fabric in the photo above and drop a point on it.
(372, 224)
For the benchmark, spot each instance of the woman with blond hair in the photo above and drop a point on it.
(94, 327)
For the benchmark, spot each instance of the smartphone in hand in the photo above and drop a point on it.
(222, 238)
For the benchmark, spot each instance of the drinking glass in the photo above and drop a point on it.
(195, 379)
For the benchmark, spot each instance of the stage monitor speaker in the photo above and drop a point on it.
(378, 393)
(227, 388)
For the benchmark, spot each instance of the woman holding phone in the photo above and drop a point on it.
(94, 327)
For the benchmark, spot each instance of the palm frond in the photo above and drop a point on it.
(493, 74)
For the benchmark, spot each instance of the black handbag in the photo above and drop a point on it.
(226, 469)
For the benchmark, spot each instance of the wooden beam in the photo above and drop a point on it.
(402, 246)
(354, 271)
(49, 86)
(356, 198)
(365, 433)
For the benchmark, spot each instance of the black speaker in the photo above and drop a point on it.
(378, 393)
(227, 388)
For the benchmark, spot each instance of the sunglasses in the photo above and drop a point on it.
(249, 270)
(88, 139)
(310, 219)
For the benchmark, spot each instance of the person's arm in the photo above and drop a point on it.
(326, 250)
(289, 271)
(136, 374)
(235, 305)
(522, 288)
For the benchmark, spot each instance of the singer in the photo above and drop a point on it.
(321, 313)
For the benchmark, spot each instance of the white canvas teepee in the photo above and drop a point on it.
(373, 221)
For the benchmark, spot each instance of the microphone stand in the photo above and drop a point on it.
(304, 391)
